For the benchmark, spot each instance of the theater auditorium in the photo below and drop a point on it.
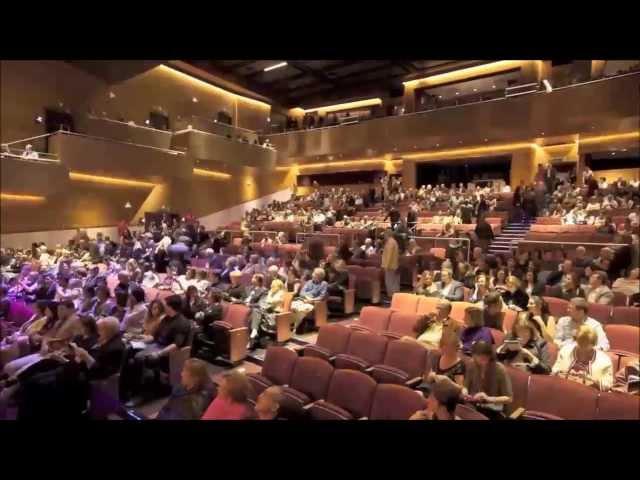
(307, 240)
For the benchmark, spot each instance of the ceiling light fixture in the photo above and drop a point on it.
(194, 100)
(493, 86)
(547, 85)
(277, 65)
(127, 205)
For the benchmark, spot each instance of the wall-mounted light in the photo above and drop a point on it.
(547, 85)
(21, 198)
(125, 182)
(39, 119)
(277, 65)
(210, 173)
(112, 95)
(194, 100)
(147, 122)
(127, 205)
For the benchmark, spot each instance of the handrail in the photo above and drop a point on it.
(128, 124)
(424, 112)
(166, 150)
(316, 234)
(233, 127)
(560, 242)
(258, 145)
(29, 139)
(34, 160)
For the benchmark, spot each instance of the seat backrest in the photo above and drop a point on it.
(287, 298)
(368, 347)
(427, 304)
(395, 402)
(624, 338)
(508, 319)
(626, 316)
(237, 315)
(311, 376)
(561, 397)
(403, 323)
(557, 306)
(465, 412)
(278, 364)
(600, 312)
(618, 406)
(404, 302)
(519, 386)
(353, 391)
(334, 338)
(620, 299)
(457, 310)
(498, 336)
(375, 318)
(406, 356)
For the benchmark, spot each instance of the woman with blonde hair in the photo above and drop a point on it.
(264, 315)
(514, 297)
(582, 362)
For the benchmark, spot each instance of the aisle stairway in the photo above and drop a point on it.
(510, 236)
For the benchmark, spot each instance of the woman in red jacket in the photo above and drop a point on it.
(232, 402)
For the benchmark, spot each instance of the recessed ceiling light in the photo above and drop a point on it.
(127, 205)
(613, 153)
(39, 119)
(147, 122)
(277, 65)
(457, 93)
(624, 149)
(268, 119)
(460, 142)
(437, 144)
(486, 139)
(112, 95)
(439, 96)
(493, 86)
(541, 133)
(475, 89)
(194, 100)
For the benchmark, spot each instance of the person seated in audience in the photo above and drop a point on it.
(189, 399)
(313, 290)
(136, 312)
(202, 282)
(21, 341)
(531, 285)
(235, 292)
(172, 334)
(104, 305)
(486, 382)
(187, 280)
(153, 316)
(569, 288)
(192, 303)
(499, 281)
(263, 315)
(68, 289)
(474, 330)
(513, 296)
(88, 332)
(232, 401)
(597, 291)
(426, 286)
(104, 357)
(337, 279)
(544, 322)
(567, 327)
(230, 265)
(480, 288)
(254, 266)
(256, 291)
(413, 248)
(120, 307)
(124, 283)
(606, 255)
(447, 360)
(492, 310)
(582, 362)
(87, 302)
(450, 289)
(430, 328)
(441, 402)
(629, 285)
(269, 403)
(581, 260)
(524, 349)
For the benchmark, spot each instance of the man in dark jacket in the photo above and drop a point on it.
(191, 398)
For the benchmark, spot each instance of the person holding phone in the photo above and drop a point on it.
(524, 349)
(486, 383)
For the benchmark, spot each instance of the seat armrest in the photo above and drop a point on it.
(414, 382)
(363, 418)
(517, 413)
(308, 406)
(368, 370)
(349, 301)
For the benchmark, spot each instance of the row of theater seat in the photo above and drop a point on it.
(605, 314)
(543, 397)
(314, 386)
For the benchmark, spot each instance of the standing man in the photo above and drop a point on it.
(549, 178)
(390, 254)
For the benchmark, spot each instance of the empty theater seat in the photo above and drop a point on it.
(350, 397)
(364, 350)
(561, 398)
(557, 306)
(232, 332)
(600, 312)
(623, 339)
(332, 339)
(395, 402)
(372, 319)
(404, 302)
(309, 382)
(277, 369)
(404, 363)
(427, 305)
(401, 325)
